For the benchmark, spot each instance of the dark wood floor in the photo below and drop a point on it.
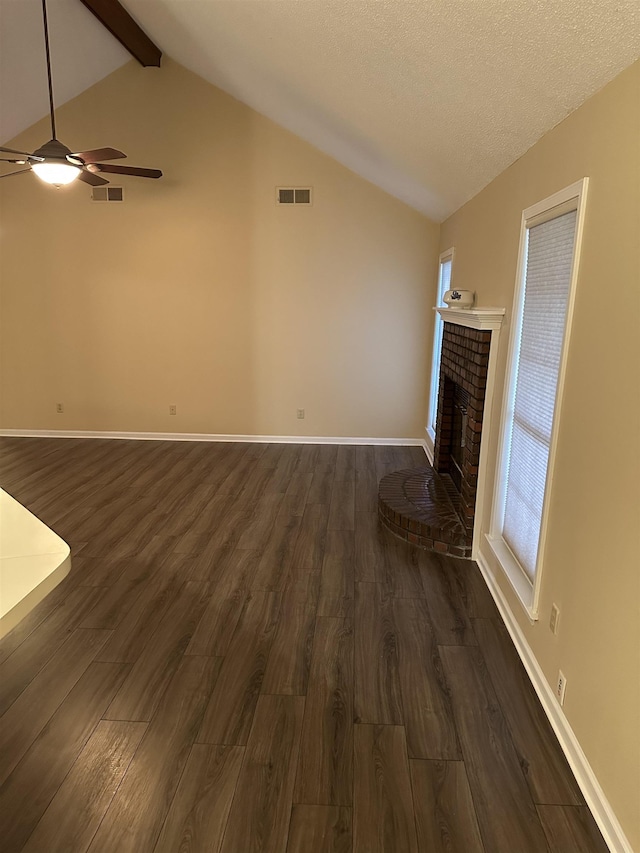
(241, 660)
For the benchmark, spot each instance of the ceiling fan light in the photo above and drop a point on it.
(57, 174)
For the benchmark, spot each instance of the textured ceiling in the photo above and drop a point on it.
(429, 99)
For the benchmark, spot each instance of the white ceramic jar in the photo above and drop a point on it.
(459, 298)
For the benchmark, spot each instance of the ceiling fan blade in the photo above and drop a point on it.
(94, 180)
(128, 170)
(22, 153)
(17, 162)
(96, 154)
(11, 174)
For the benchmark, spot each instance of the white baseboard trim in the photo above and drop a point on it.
(195, 436)
(595, 798)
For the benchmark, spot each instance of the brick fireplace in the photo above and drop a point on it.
(464, 366)
(435, 507)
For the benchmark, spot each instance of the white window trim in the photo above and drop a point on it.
(573, 197)
(438, 328)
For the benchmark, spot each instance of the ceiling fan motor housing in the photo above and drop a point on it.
(56, 150)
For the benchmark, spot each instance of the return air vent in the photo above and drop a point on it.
(107, 194)
(293, 195)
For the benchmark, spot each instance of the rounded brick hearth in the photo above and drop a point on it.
(417, 506)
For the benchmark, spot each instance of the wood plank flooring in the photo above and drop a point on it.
(242, 660)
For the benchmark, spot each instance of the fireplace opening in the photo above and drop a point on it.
(460, 404)
(453, 419)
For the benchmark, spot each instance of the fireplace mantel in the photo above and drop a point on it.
(473, 318)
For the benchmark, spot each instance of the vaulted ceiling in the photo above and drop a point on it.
(429, 99)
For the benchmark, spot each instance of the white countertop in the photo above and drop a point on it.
(33, 560)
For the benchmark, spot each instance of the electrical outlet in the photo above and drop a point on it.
(300, 413)
(554, 619)
(173, 410)
(561, 687)
(59, 408)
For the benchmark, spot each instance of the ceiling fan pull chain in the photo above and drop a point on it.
(46, 44)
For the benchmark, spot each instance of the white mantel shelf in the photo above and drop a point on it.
(474, 318)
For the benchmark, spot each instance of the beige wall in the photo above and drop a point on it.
(198, 291)
(592, 562)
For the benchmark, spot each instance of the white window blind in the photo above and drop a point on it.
(445, 280)
(444, 284)
(547, 280)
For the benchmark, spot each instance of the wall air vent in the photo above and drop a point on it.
(107, 194)
(293, 195)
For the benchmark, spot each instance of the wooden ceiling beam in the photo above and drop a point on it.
(121, 25)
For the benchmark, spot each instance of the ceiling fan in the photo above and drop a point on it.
(56, 164)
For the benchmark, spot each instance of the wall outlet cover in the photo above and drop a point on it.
(561, 687)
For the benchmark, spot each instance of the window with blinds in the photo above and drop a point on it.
(444, 284)
(549, 254)
(549, 248)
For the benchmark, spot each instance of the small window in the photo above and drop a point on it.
(540, 331)
(444, 284)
